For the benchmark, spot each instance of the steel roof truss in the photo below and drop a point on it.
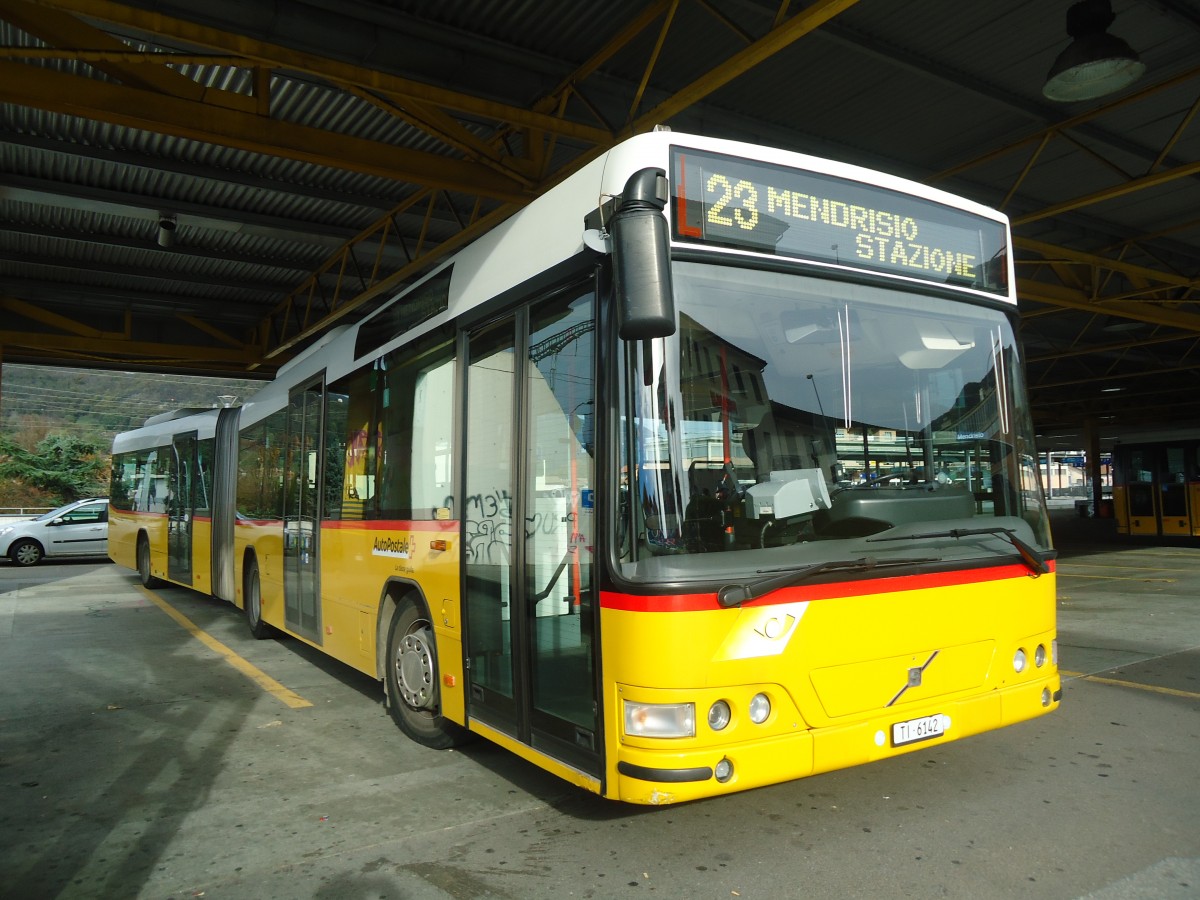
(304, 313)
(111, 55)
(251, 52)
(1059, 295)
(131, 352)
(1073, 122)
(54, 320)
(136, 108)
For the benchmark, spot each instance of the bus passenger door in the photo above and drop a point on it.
(1174, 491)
(301, 512)
(1141, 490)
(180, 508)
(527, 523)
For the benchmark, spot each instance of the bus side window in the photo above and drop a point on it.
(417, 420)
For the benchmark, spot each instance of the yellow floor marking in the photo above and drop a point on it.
(1122, 569)
(1099, 679)
(1143, 687)
(1141, 580)
(251, 671)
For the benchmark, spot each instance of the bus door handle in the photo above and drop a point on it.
(542, 595)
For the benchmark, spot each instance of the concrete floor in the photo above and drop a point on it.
(136, 762)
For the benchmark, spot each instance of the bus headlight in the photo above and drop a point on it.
(719, 715)
(667, 720)
(760, 708)
(1019, 661)
(1039, 655)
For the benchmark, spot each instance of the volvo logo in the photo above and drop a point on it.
(915, 674)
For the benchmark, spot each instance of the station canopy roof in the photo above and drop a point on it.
(205, 187)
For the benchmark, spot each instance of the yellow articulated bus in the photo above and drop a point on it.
(710, 469)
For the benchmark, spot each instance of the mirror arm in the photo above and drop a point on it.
(642, 258)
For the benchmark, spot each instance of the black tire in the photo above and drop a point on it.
(26, 552)
(143, 563)
(252, 601)
(413, 682)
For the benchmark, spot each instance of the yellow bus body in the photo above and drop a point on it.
(355, 579)
(124, 527)
(836, 671)
(834, 662)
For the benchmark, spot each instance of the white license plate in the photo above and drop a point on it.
(921, 729)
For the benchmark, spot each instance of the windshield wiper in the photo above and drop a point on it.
(737, 594)
(1030, 555)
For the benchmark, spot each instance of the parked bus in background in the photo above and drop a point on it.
(710, 469)
(1156, 486)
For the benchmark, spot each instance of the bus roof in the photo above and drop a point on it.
(159, 429)
(550, 231)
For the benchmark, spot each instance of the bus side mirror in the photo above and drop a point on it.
(642, 258)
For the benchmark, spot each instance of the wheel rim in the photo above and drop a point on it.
(28, 554)
(414, 667)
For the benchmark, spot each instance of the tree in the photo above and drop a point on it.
(62, 466)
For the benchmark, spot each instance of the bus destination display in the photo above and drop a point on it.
(758, 206)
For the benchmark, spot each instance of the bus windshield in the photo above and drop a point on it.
(793, 419)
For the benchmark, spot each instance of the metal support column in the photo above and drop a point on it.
(1091, 437)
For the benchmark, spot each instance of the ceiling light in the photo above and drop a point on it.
(1095, 63)
(166, 231)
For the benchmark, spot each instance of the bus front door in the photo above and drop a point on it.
(527, 528)
(1173, 487)
(301, 512)
(1141, 491)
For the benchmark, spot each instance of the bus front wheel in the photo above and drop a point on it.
(143, 563)
(411, 674)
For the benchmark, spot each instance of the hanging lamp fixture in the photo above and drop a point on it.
(1095, 63)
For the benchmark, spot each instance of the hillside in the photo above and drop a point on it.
(96, 403)
(93, 405)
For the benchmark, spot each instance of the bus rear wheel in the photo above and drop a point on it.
(412, 680)
(143, 563)
(252, 600)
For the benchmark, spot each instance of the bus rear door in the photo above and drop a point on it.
(181, 508)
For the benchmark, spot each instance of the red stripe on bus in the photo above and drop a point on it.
(121, 513)
(890, 584)
(368, 524)
(115, 513)
(392, 524)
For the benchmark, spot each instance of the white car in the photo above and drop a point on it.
(77, 529)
